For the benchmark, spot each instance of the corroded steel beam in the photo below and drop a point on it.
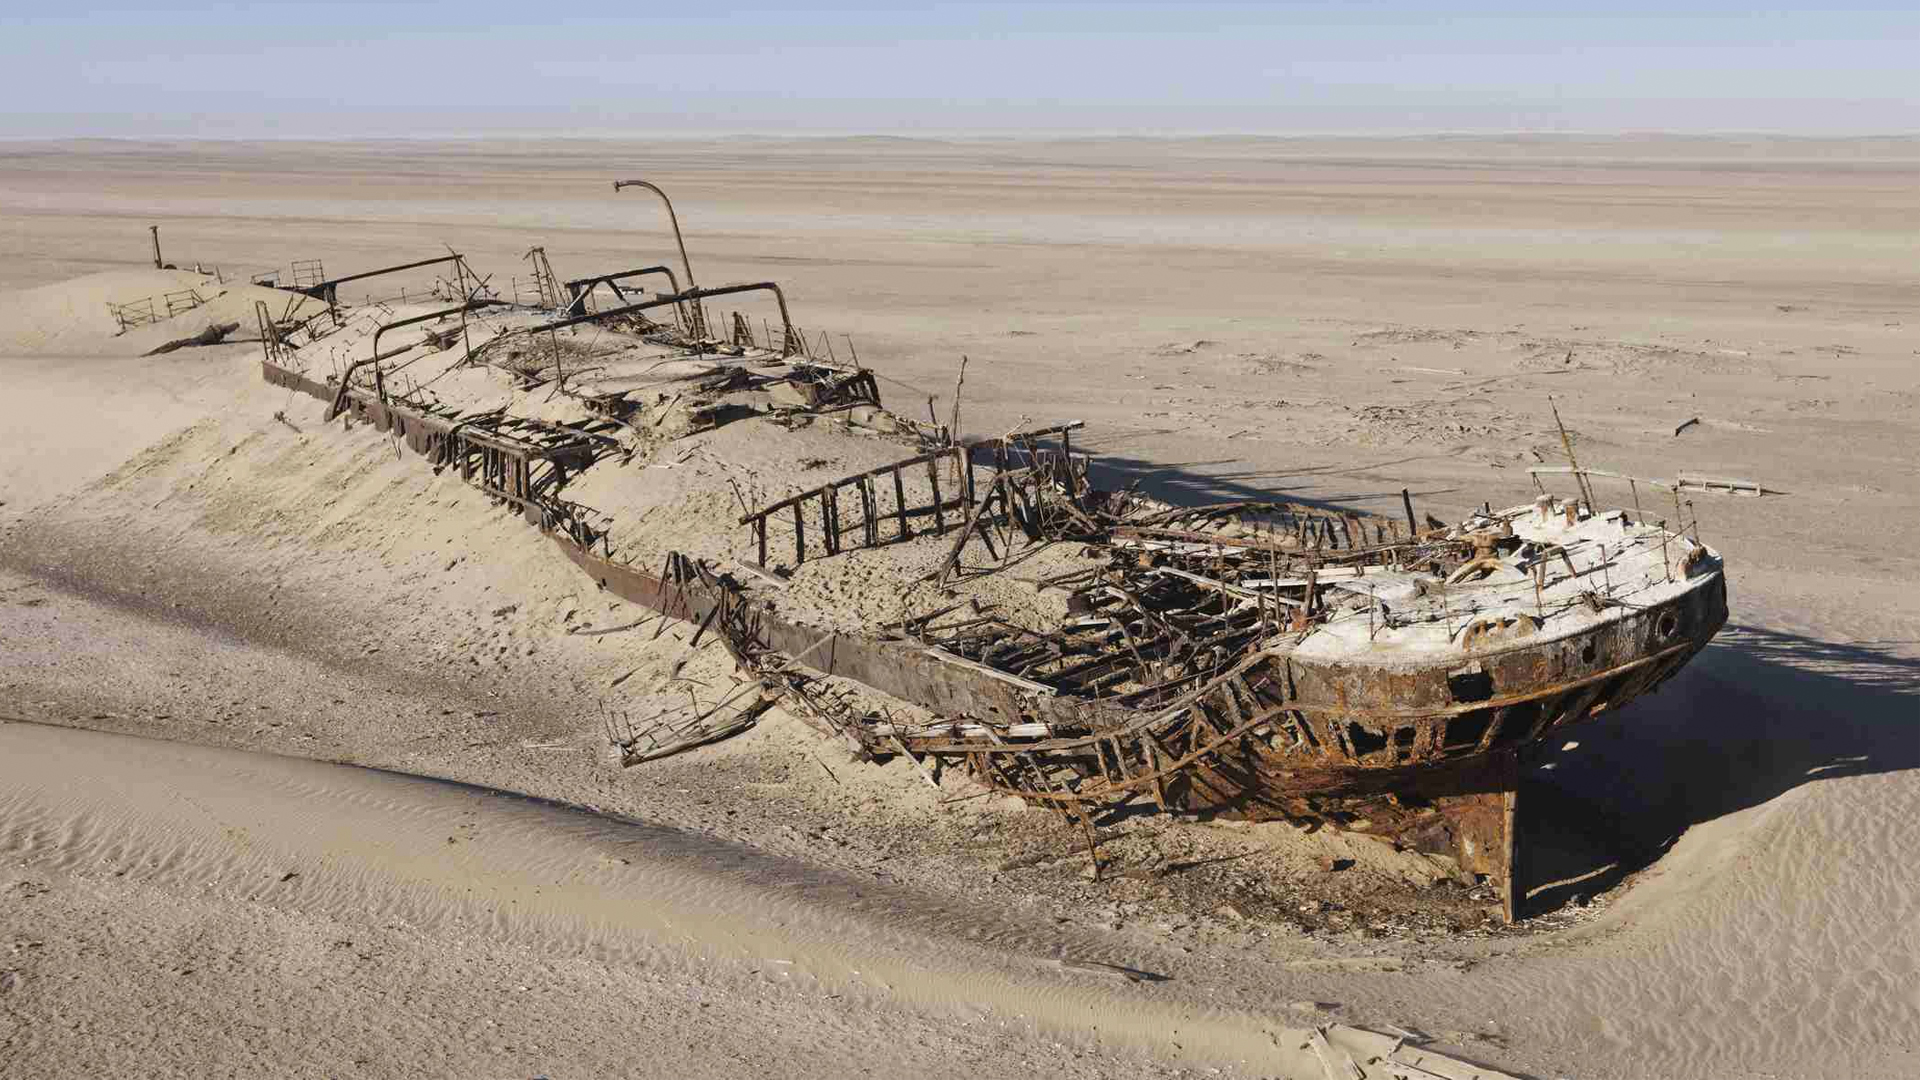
(663, 301)
(579, 288)
(674, 220)
(326, 289)
(346, 379)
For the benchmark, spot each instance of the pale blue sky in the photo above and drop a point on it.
(353, 67)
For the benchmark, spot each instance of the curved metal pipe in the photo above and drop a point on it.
(329, 290)
(578, 288)
(674, 220)
(471, 305)
(786, 323)
(346, 378)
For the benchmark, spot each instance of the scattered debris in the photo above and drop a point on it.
(679, 730)
(212, 335)
(1337, 1062)
(1721, 486)
(1703, 484)
(579, 631)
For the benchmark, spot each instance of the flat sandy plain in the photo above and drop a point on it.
(1328, 319)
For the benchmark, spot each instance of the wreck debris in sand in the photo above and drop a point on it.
(1257, 660)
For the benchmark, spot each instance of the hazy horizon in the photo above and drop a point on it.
(1392, 68)
(962, 137)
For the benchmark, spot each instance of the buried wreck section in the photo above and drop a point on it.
(1187, 674)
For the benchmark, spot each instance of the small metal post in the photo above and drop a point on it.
(1566, 441)
(900, 504)
(939, 515)
(155, 230)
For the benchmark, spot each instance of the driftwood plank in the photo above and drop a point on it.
(1337, 1062)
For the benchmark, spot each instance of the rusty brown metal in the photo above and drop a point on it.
(691, 295)
(329, 290)
(830, 529)
(698, 327)
(274, 348)
(346, 377)
(821, 388)
(1175, 681)
(580, 290)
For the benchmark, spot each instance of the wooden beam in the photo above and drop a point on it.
(760, 571)
(946, 657)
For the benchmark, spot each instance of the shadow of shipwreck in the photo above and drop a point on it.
(1757, 714)
(1193, 483)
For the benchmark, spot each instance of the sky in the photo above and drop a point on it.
(348, 68)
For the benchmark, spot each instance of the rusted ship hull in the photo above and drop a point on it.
(1404, 759)
(1352, 734)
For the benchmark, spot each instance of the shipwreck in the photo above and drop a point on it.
(1080, 648)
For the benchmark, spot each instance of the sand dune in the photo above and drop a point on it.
(445, 859)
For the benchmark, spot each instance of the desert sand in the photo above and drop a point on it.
(384, 835)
